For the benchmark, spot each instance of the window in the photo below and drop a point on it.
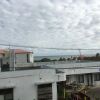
(45, 92)
(28, 59)
(68, 78)
(97, 77)
(6, 94)
(81, 78)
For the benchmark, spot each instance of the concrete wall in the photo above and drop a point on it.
(77, 68)
(74, 78)
(75, 64)
(21, 58)
(25, 82)
(97, 83)
(24, 64)
(31, 57)
(80, 70)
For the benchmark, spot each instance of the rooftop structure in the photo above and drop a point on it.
(15, 59)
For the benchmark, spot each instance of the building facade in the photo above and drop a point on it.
(11, 59)
(82, 76)
(38, 84)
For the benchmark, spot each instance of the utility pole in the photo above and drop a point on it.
(12, 59)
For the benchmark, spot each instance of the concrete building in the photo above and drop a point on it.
(16, 58)
(83, 74)
(46, 81)
(27, 82)
(38, 84)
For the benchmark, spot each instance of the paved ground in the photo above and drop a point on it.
(94, 93)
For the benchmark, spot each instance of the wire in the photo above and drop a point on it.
(37, 47)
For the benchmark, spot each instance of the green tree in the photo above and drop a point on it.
(45, 60)
(97, 54)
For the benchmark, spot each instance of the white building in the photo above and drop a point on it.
(41, 83)
(16, 58)
(37, 84)
(85, 74)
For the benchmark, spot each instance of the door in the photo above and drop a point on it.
(89, 79)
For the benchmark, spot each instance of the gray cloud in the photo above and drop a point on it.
(53, 23)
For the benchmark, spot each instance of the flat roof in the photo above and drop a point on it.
(75, 65)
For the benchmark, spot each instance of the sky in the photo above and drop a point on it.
(50, 23)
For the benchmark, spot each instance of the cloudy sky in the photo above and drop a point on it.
(51, 23)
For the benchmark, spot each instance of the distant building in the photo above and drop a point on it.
(16, 58)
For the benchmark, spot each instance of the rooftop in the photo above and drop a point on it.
(17, 51)
(75, 65)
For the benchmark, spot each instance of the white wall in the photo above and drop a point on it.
(74, 78)
(21, 58)
(31, 57)
(25, 82)
(80, 71)
(78, 68)
(97, 83)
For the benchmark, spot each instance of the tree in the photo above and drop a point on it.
(45, 60)
(97, 54)
(62, 59)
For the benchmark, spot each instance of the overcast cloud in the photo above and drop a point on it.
(51, 23)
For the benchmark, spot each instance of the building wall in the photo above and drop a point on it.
(31, 57)
(25, 82)
(1, 55)
(71, 78)
(97, 83)
(21, 58)
(74, 78)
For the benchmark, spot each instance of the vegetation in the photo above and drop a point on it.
(96, 57)
(49, 60)
(92, 58)
(62, 59)
(45, 60)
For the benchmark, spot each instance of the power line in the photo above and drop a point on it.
(37, 47)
